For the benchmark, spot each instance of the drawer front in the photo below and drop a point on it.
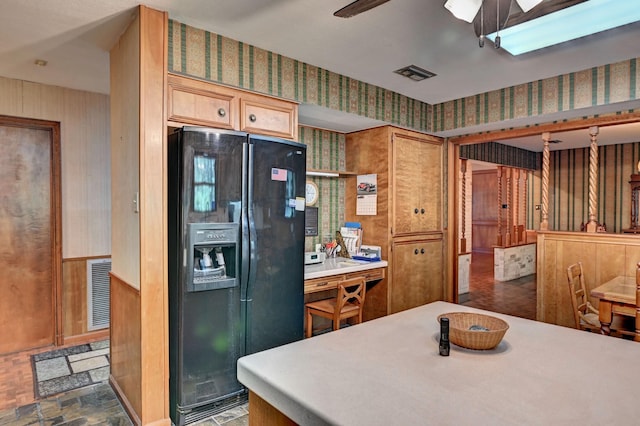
(369, 275)
(196, 102)
(270, 117)
(321, 284)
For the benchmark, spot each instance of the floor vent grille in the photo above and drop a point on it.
(98, 293)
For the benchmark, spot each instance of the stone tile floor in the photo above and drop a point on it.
(70, 387)
(90, 405)
(97, 405)
(64, 369)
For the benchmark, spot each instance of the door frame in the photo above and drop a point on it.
(453, 158)
(53, 127)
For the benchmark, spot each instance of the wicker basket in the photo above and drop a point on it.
(491, 330)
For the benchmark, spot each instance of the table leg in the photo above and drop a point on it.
(605, 316)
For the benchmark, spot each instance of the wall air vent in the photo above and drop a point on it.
(415, 73)
(98, 293)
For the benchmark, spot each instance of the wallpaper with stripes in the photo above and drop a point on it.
(569, 186)
(597, 86)
(325, 151)
(213, 57)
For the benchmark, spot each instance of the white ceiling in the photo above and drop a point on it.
(74, 36)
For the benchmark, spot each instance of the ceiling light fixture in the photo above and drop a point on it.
(415, 73)
(468, 9)
(464, 9)
(573, 22)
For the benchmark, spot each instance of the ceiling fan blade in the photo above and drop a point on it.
(357, 7)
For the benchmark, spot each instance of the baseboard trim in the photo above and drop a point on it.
(89, 337)
(124, 401)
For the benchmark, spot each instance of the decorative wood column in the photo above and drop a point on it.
(516, 206)
(499, 237)
(544, 223)
(524, 205)
(592, 225)
(507, 237)
(463, 239)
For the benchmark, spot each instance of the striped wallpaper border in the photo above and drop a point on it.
(603, 85)
(205, 55)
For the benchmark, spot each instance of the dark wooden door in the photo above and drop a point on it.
(30, 254)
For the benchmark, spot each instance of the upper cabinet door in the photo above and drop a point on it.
(197, 102)
(268, 116)
(417, 185)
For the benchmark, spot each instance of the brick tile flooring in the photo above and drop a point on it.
(515, 297)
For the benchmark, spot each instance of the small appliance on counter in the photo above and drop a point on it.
(369, 253)
(313, 257)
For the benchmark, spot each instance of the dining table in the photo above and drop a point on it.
(389, 371)
(617, 296)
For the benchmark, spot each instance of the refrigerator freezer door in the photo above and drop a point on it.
(206, 323)
(275, 294)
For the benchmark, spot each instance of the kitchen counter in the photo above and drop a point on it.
(340, 265)
(388, 371)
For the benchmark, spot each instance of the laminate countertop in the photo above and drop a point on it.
(340, 265)
(389, 372)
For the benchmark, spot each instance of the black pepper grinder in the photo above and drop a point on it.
(444, 337)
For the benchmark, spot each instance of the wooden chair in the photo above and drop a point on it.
(585, 314)
(348, 303)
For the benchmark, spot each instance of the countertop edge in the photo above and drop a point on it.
(329, 267)
(287, 404)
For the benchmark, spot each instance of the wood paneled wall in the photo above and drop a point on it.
(74, 299)
(126, 355)
(139, 311)
(603, 257)
(85, 169)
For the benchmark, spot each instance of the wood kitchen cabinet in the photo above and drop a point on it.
(416, 178)
(409, 169)
(202, 103)
(417, 273)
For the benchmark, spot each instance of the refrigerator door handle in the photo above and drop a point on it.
(244, 223)
(252, 225)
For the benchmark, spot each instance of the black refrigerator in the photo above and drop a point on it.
(236, 260)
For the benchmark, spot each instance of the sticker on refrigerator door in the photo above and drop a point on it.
(279, 174)
(300, 203)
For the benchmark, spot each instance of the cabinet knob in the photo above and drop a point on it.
(422, 211)
(415, 211)
(415, 251)
(222, 112)
(422, 251)
(252, 118)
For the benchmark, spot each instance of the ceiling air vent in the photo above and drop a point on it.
(415, 73)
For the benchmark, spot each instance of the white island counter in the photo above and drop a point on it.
(388, 372)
